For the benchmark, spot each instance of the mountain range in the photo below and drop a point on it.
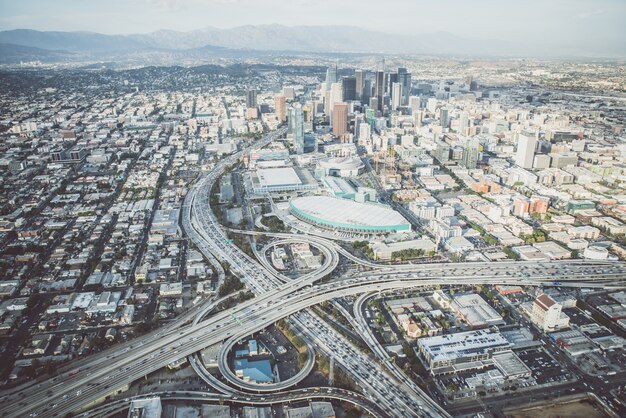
(20, 44)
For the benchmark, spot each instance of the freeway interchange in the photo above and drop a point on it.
(88, 382)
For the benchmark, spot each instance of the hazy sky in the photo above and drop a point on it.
(564, 22)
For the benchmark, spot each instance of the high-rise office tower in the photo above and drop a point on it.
(327, 101)
(404, 78)
(359, 76)
(349, 88)
(289, 92)
(370, 116)
(374, 103)
(418, 118)
(367, 91)
(365, 132)
(308, 111)
(251, 98)
(391, 78)
(359, 118)
(396, 96)
(469, 159)
(296, 127)
(431, 105)
(443, 117)
(442, 152)
(471, 83)
(340, 119)
(309, 115)
(331, 76)
(525, 155)
(379, 89)
(463, 121)
(280, 107)
(336, 94)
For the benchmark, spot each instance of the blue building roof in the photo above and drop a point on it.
(259, 371)
(252, 346)
(241, 353)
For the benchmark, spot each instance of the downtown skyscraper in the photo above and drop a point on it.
(251, 100)
(525, 154)
(360, 76)
(396, 95)
(348, 86)
(280, 107)
(404, 78)
(331, 76)
(296, 126)
(379, 89)
(340, 119)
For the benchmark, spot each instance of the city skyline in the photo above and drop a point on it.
(359, 209)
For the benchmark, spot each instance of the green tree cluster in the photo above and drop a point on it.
(229, 286)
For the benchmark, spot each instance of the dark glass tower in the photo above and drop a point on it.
(379, 88)
(348, 85)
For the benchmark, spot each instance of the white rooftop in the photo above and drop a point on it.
(269, 177)
(476, 311)
(339, 185)
(344, 212)
(462, 344)
(341, 163)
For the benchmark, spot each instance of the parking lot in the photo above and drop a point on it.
(544, 368)
(577, 317)
(275, 342)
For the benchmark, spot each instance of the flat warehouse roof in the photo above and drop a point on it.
(342, 163)
(269, 177)
(462, 344)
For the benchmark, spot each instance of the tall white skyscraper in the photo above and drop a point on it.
(431, 105)
(327, 102)
(331, 76)
(365, 132)
(396, 95)
(463, 121)
(336, 92)
(418, 118)
(336, 96)
(526, 143)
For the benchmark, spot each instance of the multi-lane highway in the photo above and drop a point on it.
(123, 366)
(317, 393)
(106, 373)
(262, 280)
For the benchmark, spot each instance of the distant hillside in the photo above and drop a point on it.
(261, 37)
(70, 41)
(11, 54)
(240, 41)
